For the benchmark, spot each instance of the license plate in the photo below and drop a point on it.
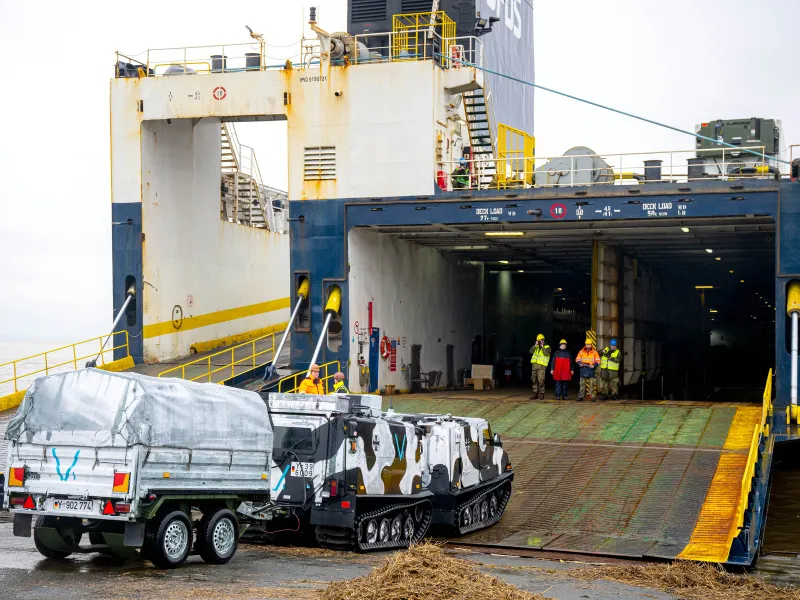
(302, 469)
(73, 505)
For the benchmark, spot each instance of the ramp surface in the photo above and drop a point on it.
(643, 479)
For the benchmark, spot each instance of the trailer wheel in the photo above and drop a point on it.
(68, 529)
(169, 540)
(218, 536)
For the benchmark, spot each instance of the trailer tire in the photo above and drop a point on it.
(218, 536)
(168, 541)
(72, 537)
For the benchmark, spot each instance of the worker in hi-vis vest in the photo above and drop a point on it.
(588, 359)
(338, 384)
(609, 371)
(540, 358)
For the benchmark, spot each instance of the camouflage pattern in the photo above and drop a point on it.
(537, 378)
(587, 388)
(374, 456)
(608, 383)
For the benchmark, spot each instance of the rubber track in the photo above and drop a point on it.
(337, 538)
(504, 497)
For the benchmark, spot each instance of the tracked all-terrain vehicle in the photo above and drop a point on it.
(365, 479)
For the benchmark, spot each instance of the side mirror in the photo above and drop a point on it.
(496, 440)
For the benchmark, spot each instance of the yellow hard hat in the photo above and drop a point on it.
(588, 342)
(563, 342)
(539, 337)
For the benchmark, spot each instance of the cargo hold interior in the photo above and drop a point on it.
(691, 301)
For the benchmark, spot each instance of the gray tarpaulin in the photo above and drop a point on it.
(97, 408)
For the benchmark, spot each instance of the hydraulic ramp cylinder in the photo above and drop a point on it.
(793, 310)
(302, 294)
(331, 309)
(128, 297)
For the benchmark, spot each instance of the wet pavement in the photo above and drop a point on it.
(257, 573)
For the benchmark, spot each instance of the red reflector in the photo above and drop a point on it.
(16, 500)
(29, 503)
(122, 507)
(345, 503)
(108, 509)
(334, 488)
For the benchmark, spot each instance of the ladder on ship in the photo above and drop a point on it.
(479, 125)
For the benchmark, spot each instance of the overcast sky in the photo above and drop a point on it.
(681, 62)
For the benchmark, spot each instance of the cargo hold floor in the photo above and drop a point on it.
(656, 479)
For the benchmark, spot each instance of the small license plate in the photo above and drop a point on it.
(302, 469)
(72, 505)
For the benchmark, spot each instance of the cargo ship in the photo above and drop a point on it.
(425, 237)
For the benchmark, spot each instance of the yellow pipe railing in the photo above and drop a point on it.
(230, 366)
(759, 429)
(300, 375)
(17, 368)
(516, 151)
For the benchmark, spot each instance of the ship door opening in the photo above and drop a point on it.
(690, 302)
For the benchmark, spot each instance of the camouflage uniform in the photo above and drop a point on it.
(540, 358)
(608, 379)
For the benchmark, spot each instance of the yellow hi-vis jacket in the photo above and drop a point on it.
(610, 360)
(540, 355)
(340, 388)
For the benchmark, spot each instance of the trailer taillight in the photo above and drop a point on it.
(16, 476)
(334, 488)
(17, 500)
(121, 483)
(122, 507)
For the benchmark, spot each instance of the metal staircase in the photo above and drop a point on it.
(479, 125)
(244, 199)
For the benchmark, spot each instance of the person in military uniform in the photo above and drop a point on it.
(338, 384)
(540, 358)
(588, 359)
(609, 372)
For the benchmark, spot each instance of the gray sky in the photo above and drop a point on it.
(681, 62)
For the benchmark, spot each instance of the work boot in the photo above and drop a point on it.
(541, 396)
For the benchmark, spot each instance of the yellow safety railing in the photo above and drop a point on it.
(759, 429)
(229, 366)
(410, 39)
(290, 383)
(516, 151)
(51, 361)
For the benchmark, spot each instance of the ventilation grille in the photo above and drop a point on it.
(367, 10)
(319, 162)
(415, 6)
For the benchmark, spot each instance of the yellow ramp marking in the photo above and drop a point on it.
(741, 432)
(238, 338)
(716, 525)
(221, 316)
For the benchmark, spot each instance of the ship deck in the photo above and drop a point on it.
(647, 479)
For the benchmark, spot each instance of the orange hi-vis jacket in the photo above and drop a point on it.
(588, 358)
(307, 386)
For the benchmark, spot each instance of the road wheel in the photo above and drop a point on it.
(169, 540)
(466, 517)
(67, 528)
(493, 505)
(397, 528)
(408, 528)
(384, 530)
(371, 531)
(219, 533)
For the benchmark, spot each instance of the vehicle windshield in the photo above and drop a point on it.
(293, 438)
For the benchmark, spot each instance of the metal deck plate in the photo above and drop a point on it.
(624, 478)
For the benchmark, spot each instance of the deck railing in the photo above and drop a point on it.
(230, 363)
